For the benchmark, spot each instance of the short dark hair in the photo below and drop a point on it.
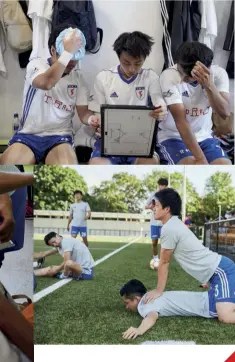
(132, 289)
(49, 236)
(136, 44)
(170, 198)
(77, 192)
(163, 182)
(55, 32)
(190, 52)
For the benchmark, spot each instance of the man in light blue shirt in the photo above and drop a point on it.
(80, 212)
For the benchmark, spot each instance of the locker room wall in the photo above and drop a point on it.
(114, 17)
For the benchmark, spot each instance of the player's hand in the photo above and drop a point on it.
(131, 333)
(159, 113)
(151, 296)
(72, 42)
(202, 75)
(94, 121)
(7, 224)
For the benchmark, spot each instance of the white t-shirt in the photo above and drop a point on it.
(153, 221)
(112, 88)
(50, 112)
(79, 253)
(79, 210)
(194, 98)
(189, 252)
(177, 303)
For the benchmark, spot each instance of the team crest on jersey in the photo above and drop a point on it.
(140, 92)
(71, 89)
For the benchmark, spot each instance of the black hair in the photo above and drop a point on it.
(77, 192)
(55, 32)
(136, 44)
(163, 182)
(190, 52)
(49, 236)
(132, 289)
(170, 198)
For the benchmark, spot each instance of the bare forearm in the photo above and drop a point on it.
(16, 328)
(44, 254)
(147, 323)
(84, 118)
(218, 103)
(162, 276)
(189, 139)
(12, 181)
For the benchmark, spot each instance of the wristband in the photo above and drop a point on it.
(65, 58)
(89, 120)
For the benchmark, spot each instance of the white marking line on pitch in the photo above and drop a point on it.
(59, 284)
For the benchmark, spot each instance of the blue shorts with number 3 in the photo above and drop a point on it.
(222, 284)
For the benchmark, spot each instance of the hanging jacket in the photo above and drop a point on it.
(181, 22)
(229, 43)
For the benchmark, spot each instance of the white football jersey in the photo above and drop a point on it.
(50, 112)
(112, 88)
(195, 100)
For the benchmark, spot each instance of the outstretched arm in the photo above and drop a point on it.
(147, 323)
(10, 181)
(44, 254)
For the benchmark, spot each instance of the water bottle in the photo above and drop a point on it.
(16, 123)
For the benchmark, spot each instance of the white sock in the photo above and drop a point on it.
(35, 264)
(155, 257)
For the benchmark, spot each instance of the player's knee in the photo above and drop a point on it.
(69, 263)
(226, 317)
(99, 161)
(190, 160)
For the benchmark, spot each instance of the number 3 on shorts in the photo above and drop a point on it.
(216, 290)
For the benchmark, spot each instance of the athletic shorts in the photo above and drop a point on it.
(155, 232)
(87, 274)
(114, 160)
(172, 151)
(222, 285)
(82, 230)
(41, 146)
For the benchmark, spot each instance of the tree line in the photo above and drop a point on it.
(126, 193)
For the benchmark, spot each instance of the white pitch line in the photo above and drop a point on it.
(62, 282)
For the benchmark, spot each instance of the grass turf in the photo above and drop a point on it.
(91, 312)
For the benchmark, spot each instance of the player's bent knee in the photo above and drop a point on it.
(187, 161)
(155, 242)
(69, 263)
(221, 161)
(99, 161)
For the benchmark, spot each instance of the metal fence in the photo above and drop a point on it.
(219, 236)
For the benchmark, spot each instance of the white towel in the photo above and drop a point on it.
(208, 31)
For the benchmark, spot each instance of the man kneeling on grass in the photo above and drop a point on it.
(173, 303)
(78, 262)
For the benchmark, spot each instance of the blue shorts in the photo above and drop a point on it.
(18, 199)
(82, 230)
(88, 275)
(40, 146)
(222, 285)
(155, 232)
(172, 151)
(114, 160)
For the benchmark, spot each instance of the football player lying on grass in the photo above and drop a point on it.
(173, 303)
(78, 262)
